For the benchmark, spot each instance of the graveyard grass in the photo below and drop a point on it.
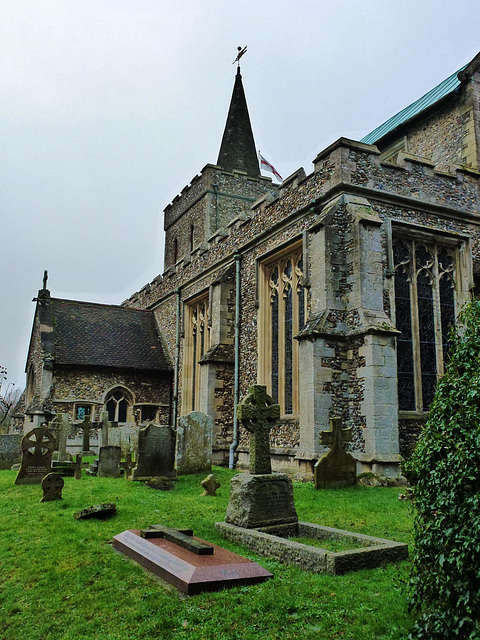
(62, 580)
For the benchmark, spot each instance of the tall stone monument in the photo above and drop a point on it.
(260, 498)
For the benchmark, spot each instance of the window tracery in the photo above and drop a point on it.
(425, 311)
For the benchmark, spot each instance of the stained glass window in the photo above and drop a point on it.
(425, 311)
(284, 314)
(196, 344)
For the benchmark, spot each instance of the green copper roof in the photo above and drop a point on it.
(443, 89)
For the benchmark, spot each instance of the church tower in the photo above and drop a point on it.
(220, 194)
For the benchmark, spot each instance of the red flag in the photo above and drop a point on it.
(264, 164)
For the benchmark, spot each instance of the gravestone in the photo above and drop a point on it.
(189, 563)
(37, 450)
(10, 449)
(78, 467)
(86, 427)
(193, 451)
(124, 436)
(52, 485)
(210, 484)
(109, 462)
(105, 429)
(62, 423)
(337, 468)
(260, 498)
(128, 465)
(97, 512)
(155, 452)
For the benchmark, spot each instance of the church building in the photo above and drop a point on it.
(334, 289)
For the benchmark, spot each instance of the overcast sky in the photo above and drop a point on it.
(110, 107)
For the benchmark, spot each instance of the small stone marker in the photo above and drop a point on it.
(189, 563)
(210, 484)
(193, 452)
(37, 449)
(337, 468)
(128, 465)
(258, 415)
(109, 462)
(78, 467)
(98, 511)
(86, 426)
(52, 485)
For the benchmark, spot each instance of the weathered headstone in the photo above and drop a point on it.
(155, 452)
(124, 436)
(210, 484)
(260, 498)
(337, 468)
(128, 465)
(109, 462)
(193, 452)
(10, 449)
(37, 449)
(52, 485)
(105, 429)
(78, 467)
(62, 434)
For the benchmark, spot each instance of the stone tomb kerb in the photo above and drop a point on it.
(261, 513)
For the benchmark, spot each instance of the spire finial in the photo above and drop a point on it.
(241, 52)
(45, 278)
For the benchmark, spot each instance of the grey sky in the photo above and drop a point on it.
(110, 107)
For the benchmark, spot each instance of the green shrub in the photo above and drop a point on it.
(445, 466)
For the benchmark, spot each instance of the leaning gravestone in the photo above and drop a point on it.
(37, 449)
(193, 452)
(109, 462)
(337, 468)
(52, 485)
(155, 452)
(260, 498)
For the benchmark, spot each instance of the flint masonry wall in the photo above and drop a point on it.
(412, 193)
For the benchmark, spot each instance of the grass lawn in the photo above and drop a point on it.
(62, 580)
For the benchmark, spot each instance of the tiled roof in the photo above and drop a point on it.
(92, 334)
(429, 99)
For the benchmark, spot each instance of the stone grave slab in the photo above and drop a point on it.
(261, 500)
(97, 511)
(38, 446)
(155, 455)
(109, 462)
(337, 468)
(190, 572)
(193, 452)
(52, 485)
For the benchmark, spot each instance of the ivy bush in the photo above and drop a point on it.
(445, 469)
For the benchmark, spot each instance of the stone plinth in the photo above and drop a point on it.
(261, 500)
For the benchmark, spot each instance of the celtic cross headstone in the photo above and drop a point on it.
(258, 414)
(38, 446)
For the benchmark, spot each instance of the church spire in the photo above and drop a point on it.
(237, 150)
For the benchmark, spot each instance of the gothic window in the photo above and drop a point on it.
(197, 343)
(282, 317)
(425, 311)
(117, 403)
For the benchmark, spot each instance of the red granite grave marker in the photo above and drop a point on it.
(190, 572)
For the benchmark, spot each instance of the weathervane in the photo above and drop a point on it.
(241, 52)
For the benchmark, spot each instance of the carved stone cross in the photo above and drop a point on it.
(336, 435)
(258, 414)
